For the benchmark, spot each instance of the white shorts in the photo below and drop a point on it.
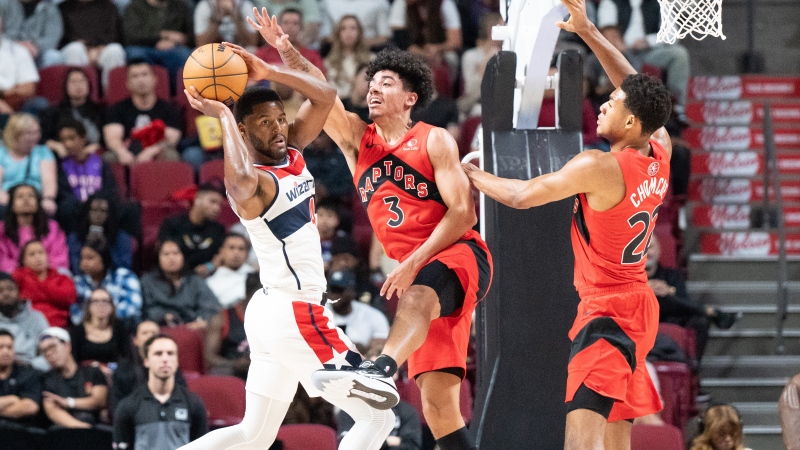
(291, 335)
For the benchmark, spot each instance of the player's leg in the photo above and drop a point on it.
(440, 405)
(586, 420)
(371, 426)
(618, 435)
(416, 308)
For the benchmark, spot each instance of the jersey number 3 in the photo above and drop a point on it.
(394, 208)
(629, 255)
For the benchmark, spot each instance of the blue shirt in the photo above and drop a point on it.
(27, 170)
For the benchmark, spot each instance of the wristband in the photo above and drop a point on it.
(70, 402)
(210, 266)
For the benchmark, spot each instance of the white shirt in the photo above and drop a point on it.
(608, 16)
(16, 65)
(228, 284)
(451, 20)
(373, 15)
(363, 324)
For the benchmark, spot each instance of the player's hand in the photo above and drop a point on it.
(257, 69)
(54, 398)
(661, 288)
(399, 280)
(206, 106)
(578, 21)
(269, 29)
(470, 169)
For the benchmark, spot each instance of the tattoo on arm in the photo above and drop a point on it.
(294, 60)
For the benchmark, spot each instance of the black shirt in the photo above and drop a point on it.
(23, 382)
(199, 243)
(79, 386)
(440, 112)
(111, 351)
(129, 116)
(142, 422)
(131, 374)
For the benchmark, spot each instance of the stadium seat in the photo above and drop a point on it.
(156, 181)
(211, 170)
(190, 349)
(677, 394)
(51, 82)
(669, 246)
(684, 337)
(224, 397)
(307, 436)
(442, 81)
(410, 393)
(120, 173)
(188, 113)
(118, 88)
(468, 128)
(656, 437)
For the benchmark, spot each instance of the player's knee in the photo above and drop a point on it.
(420, 300)
(440, 409)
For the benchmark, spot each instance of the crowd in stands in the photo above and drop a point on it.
(88, 280)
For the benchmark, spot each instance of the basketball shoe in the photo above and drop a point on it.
(366, 382)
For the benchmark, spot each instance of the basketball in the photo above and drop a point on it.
(216, 72)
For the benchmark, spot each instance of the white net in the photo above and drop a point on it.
(695, 18)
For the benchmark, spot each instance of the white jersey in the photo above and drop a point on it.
(285, 237)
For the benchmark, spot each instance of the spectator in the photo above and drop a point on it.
(11, 12)
(473, 63)
(326, 162)
(366, 326)
(291, 22)
(172, 297)
(98, 45)
(348, 53)
(328, 222)
(97, 271)
(312, 16)
(198, 233)
(373, 15)
(131, 372)
(789, 408)
(41, 31)
(98, 220)
(228, 280)
(159, 32)
(86, 172)
(25, 323)
(18, 78)
(143, 127)
(23, 160)
(76, 105)
(226, 349)
(73, 395)
(161, 415)
(440, 112)
(676, 307)
(50, 292)
(100, 338)
(252, 258)
(225, 21)
(407, 431)
(636, 39)
(722, 430)
(357, 103)
(346, 256)
(25, 220)
(20, 389)
(433, 29)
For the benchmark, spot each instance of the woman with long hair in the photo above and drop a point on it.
(76, 104)
(100, 337)
(25, 220)
(173, 295)
(721, 430)
(99, 219)
(49, 291)
(348, 53)
(24, 161)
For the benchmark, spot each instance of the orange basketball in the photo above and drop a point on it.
(216, 72)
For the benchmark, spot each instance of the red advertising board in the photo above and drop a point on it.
(740, 164)
(743, 87)
(736, 216)
(747, 244)
(741, 112)
(739, 138)
(737, 190)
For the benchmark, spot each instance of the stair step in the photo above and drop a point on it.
(737, 367)
(763, 437)
(763, 316)
(752, 392)
(750, 342)
(727, 268)
(759, 413)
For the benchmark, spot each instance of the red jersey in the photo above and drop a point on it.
(610, 246)
(397, 187)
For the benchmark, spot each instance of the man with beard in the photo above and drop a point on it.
(290, 333)
(20, 389)
(163, 414)
(22, 321)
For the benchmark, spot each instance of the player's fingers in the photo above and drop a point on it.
(257, 26)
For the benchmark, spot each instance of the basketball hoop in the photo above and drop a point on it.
(695, 18)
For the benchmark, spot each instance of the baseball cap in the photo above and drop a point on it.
(342, 279)
(54, 332)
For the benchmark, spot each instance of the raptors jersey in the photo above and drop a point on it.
(285, 236)
(610, 246)
(397, 188)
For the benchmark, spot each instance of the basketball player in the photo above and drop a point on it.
(420, 205)
(618, 195)
(290, 332)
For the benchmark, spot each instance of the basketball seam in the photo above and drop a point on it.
(215, 76)
(213, 63)
(201, 64)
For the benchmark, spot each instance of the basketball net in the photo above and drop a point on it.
(695, 18)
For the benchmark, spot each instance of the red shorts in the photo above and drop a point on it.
(615, 329)
(448, 337)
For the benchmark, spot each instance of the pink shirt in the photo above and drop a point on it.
(55, 245)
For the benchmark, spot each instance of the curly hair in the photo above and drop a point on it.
(648, 99)
(414, 72)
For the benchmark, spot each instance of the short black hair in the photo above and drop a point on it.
(137, 61)
(5, 276)
(648, 99)
(72, 124)
(4, 332)
(414, 72)
(235, 235)
(291, 10)
(212, 185)
(250, 98)
(149, 342)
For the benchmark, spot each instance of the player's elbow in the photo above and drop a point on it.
(241, 186)
(466, 214)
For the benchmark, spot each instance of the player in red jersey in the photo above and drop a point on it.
(420, 205)
(618, 195)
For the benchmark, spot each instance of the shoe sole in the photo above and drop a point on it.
(375, 393)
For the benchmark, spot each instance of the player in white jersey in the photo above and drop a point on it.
(290, 333)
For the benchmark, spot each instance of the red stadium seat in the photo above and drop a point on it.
(656, 437)
(118, 87)
(51, 83)
(468, 128)
(212, 170)
(224, 397)
(682, 336)
(669, 246)
(120, 173)
(157, 180)
(442, 80)
(307, 436)
(190, 349)
(677, 394)
(188, 113)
